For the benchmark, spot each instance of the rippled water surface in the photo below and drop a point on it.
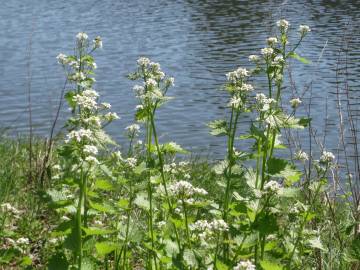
(196, 41)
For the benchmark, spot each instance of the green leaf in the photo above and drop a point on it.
(58, 262)
(97, 231)
(102, 207)
(218, 128)
(104, 248)
(299, 58)
(69, 97)
(171, 248)
(103, 185)
(290, 174)
(26, 261)
(268, 265)
(221, 266)
(276, 165)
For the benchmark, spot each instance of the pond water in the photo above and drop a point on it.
(196, 41)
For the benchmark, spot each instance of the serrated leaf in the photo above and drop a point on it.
(218, 127)
(104, 207)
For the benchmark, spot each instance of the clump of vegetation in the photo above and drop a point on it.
(147, 209)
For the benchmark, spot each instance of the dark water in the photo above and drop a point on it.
(196, 41)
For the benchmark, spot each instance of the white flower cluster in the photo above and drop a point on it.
(131, 162)
(87, 99)
(304, 29)
(295, 102)
(245, 265)
(267, 52)
(79, 135)
(239, 74)
(327, 157)
(272, 186)
(82, 36)
(301, 155)
(272, 41)
(133, 129)
(278, 60)
(90, 150)
(254, 58)
(185, 189)
(97, 43)
(235, 101)
(62, 59)
(283, 25)
(23, 241)
(214, 226)
(263, 102)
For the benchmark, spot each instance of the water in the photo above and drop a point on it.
(196, 41)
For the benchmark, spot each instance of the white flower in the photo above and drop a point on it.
(151, 83)
(263, 102)
(254, 58)
(245, 265)
(62, 58)
(304, 29)
(235, 101)
(272, 186)
(110, 116)
(77, 77)
(106, 105)
(79, 135)
(93, 120)
(22, 241)
(245, 87)
(184, 188)
(278, 60)
(82, 36)
(133, 129)
(131, 162)
(154, 66)
(266, 52)
(161, 224)
(92, 160)
(272, 41)
(295, 102)
(86, 102)
(90, 149)
(98, 43)
(217, 225)
(301, 155)
(143, 61)
(238, 74)
(171, 81)
(327, 157)
(283, 25)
